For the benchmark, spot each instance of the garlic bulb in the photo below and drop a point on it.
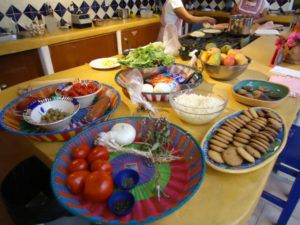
(125, 133)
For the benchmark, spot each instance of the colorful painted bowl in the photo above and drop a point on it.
(179, 179)
(281, 90)
(156, 96)
(273, 151)
(85, 100)
(37, 109)
(17, 125)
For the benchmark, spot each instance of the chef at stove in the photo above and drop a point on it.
(174, 12)
(256, 8)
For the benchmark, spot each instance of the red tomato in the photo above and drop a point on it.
(81, 151)
(77, 164)
(101, 165)
(98, 186)
(75, 181)
(99, 152)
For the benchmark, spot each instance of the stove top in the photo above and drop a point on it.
(219, 40)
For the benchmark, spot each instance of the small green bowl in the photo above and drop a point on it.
(281, 90)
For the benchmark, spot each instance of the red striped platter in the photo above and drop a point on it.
(174, 68)
(17, 125)
(179, 179)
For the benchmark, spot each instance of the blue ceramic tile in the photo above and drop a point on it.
(13, 13)
(84, 7)
(130, 4)
(218, 1)
(114, 5)
(151, 2)
(122, 4)
(115, 14)
(62, 22)
(96, 17)
(74, 10)
(1, 16)
(217, 8)
(103, 6)
(20, 28)
(2, 30)
(145, 2)
(30, 12)
(44, 10)
(138, 3)
(282, 2)
(60, 9)
(95, 6)
(106, 16)
(271, 1)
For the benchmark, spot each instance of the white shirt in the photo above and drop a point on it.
(265, 3)
(169, 14)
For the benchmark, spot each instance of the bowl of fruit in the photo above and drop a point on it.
(223, 63)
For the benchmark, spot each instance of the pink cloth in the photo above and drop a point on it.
(270, 25)
(247, 9)
(178, 25)
(291, 82)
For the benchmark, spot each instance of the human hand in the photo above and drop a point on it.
(210, 20)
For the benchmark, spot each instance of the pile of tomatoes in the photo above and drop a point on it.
(90, 173)
(79, 89)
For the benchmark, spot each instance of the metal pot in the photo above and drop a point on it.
(240, 25)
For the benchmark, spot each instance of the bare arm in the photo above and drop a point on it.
(182, 13)
(263, 17)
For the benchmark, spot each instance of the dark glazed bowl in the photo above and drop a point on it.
(117, 199)
(127, 174)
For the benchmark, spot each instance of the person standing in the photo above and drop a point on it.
(174, 12)
(256, 8)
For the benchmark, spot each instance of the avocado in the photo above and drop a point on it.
(210, 45)
(226, 48)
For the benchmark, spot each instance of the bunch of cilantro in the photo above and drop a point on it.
(147, 57)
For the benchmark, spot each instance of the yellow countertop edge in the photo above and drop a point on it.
(108, 26)
(222, 14)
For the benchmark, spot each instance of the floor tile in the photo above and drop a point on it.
(259, 207)
(269, 214)
(252, 220)
(293, 221)
(296, 212)
(278, 186)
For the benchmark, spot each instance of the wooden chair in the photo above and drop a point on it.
(288, 162)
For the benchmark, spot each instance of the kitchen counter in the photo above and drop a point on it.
(285, 19)
(108, 26)
(222, 198)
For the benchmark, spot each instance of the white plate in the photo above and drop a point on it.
(101, 63)
(197, 34)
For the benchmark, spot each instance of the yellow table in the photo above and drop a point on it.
(222, 198)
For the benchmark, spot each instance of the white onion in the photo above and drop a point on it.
(125, 133)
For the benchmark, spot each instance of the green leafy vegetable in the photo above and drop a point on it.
(147, 57)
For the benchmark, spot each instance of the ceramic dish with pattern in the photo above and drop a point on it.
(179, 179)
(280, 93)
(273, 151)
(157, 96)
(17, 125)
(63, 109)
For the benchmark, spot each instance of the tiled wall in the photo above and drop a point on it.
(23, 12)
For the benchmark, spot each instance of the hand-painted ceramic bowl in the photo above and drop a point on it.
(36, 110)
(84, 100)
(17, 125)
(280, 90)
(272, 152)
(179, 179)
(157, 96)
